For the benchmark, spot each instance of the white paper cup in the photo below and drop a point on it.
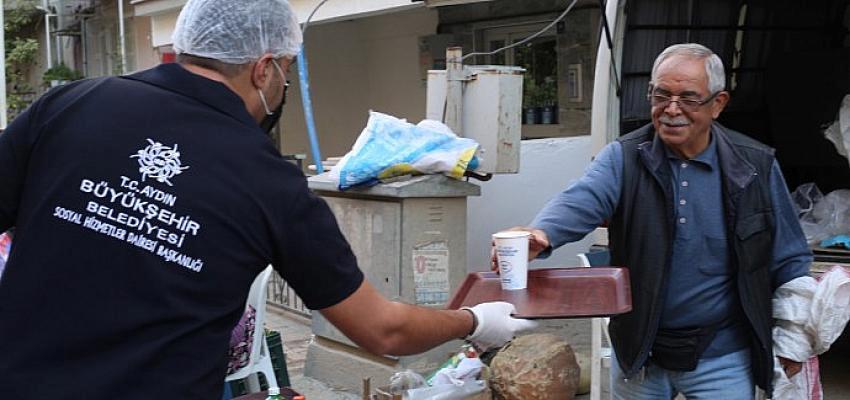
(512, 257)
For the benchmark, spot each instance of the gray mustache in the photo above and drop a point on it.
(673, 121)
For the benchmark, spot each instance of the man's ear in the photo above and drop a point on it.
(261, 72)
(719, 103)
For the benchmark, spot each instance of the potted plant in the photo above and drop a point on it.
(549, 101)
(60, 75)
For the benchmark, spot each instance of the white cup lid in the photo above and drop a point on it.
(511, 234)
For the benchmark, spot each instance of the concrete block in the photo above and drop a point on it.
(332, 364)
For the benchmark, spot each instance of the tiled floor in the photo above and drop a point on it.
(296, 334)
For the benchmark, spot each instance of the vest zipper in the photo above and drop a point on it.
(646, 351)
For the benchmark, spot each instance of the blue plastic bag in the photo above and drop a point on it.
(389, 147)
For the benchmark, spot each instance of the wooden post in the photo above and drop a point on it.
(454, 89)
(367, 388)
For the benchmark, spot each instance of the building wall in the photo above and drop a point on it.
(374, 63)
(336, 10)
(547, 166)
(355, 66)
(162, 26)
(577, 38)
(103, 47)
(35, 73)
(146, 56)
(577, 48)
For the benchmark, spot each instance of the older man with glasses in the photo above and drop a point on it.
(701, 216)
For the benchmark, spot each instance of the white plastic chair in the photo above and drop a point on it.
(599, 356)
(260, 360)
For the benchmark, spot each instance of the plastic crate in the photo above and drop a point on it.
(275, 343)
(278, 358)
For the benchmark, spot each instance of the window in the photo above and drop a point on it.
(539, 57)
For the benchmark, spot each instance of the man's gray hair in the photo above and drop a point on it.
(713, 65)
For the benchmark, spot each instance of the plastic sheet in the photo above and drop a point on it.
(805, 197)
(446, 391)
(820, 216)
(405, 380)
(839, 132)
(390, 147)
(467, 369)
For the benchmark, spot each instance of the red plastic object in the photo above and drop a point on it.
(553, 293)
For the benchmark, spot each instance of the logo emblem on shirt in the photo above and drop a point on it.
(159, 162)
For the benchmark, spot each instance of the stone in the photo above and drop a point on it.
(535, 367)
(584, 379)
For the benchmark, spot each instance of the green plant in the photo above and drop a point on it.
(61, 72)
(529, 92)
(20, 21)
(21, 51)
(539, 94)
(548, 94)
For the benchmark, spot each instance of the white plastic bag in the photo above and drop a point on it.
(830, 308)
(792, 307)
(810, 315)
(405, 380)
(446, 391)
(805, 385)
(389, 147)
(839, 132)
(822, 216)
(467, 369)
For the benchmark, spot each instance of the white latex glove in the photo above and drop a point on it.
(495, 324)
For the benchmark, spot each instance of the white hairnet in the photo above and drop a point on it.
(237, 31)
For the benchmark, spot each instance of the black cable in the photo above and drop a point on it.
(523, 41)
(602, 6)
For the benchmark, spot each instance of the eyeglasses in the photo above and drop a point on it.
(689, 104)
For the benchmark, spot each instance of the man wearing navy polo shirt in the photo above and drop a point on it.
(701, 216)
(145, 206)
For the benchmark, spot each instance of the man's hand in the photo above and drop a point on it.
(536, 244)
(495, 326)
(790, 367)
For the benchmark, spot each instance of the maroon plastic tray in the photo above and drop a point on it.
(553, 293)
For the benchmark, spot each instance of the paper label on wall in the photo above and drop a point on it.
(431, 273)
